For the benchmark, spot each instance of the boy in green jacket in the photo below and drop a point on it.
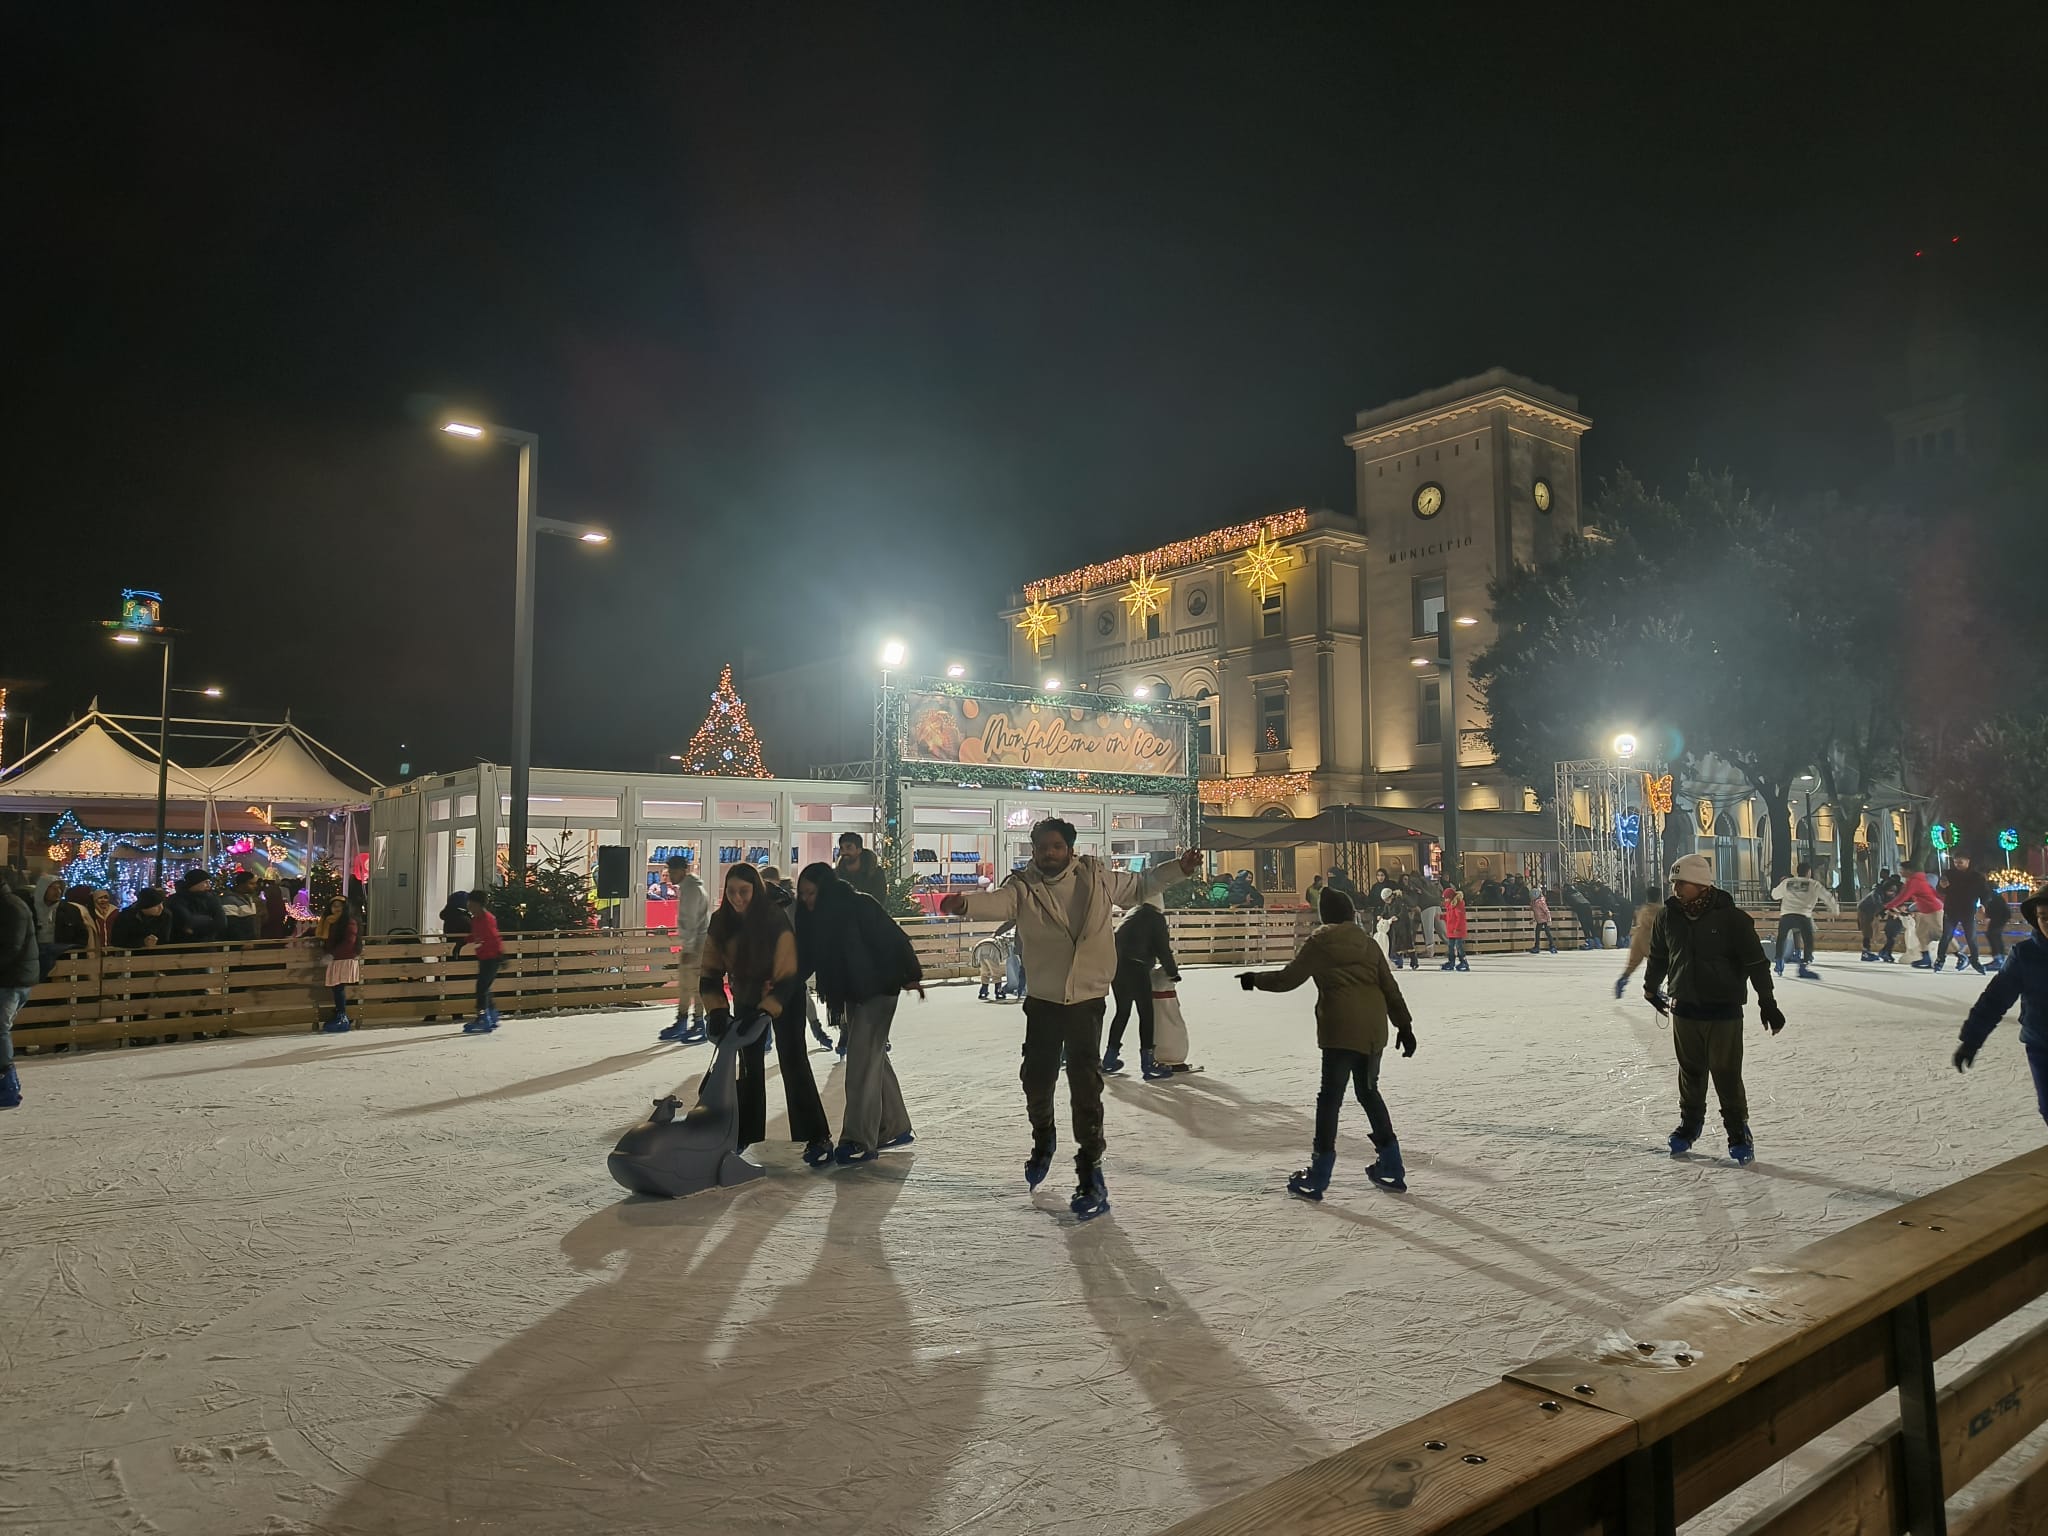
(1356, 996)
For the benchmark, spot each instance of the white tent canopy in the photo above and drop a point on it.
(95, 761)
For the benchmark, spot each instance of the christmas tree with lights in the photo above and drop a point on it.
(725, 744)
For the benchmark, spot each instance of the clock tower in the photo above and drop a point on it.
(1456, 487)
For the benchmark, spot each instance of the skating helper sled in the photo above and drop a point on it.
(676, 1155)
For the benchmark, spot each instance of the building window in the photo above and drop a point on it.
(1273, 613)
(1205, 723)
(1429, 723)
(1273, 721)
(1427, 599)
(1151, 626)
(1276, 865)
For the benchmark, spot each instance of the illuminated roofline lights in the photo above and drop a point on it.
(1259, 786)
(1168, 557)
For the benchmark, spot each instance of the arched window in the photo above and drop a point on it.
(1276, 865)
(1205, 723)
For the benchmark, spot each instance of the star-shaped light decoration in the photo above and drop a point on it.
(1040, 619)
(1262, 564)
(1145, 594)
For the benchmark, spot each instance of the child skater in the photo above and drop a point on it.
(1454, 930)
(1356, 996)
(1401, 935)
(2024, 976)
(1539, 911)
(344, 946)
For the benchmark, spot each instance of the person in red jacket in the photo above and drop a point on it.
(490, 955)
(1454, 930)
(1922, 914)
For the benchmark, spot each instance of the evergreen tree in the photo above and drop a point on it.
(725, 744)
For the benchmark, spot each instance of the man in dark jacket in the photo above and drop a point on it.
(21, 966)
(2023, 977)
(144, 925)
(1962, 890)
(1141, 943)
(861, 869)
(196, 913)
(1707, 948)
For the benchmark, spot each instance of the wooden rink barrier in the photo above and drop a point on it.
(1650, 1424)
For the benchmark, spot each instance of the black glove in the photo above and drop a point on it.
(1657, 1000)
(717, 1025)
(1249, 980)
(1772, 1015)
(1965, 1056)
(1405, 1039)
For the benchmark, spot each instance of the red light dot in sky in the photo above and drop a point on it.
(1955, 239)
(1919, 254)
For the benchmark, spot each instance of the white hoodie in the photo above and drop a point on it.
(1797, 896)
(693, 912)
(1063, 925)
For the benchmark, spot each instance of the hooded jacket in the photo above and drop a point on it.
(693, 912)
(1799, 896)
(1067, 961)
(1916, 893)
(1708, 958)
(1356, 993)
(1144, 941)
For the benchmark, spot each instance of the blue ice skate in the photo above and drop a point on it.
(1091, 1195)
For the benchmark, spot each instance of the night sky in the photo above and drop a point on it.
(847, 316)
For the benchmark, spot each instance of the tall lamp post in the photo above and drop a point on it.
(531, 526)
(141, 622)
(1447, 729)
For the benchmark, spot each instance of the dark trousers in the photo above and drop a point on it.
(486, 974)
(1360, 1072)
(1866, 924)
(1542, 938)
(807, 1122)
(1076, 1028)
(1994, 937)
(1795, 923)
(1710, 1049)
(1952, 918)
(2037, 1063)
(1133, 988)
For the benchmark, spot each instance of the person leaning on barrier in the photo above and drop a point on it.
(143, 924)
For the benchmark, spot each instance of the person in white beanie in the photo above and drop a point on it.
(1707, 948)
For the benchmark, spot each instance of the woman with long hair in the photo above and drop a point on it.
(750, 955)
(343, 942)
(863, 962)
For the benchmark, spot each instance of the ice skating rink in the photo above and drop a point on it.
(383, 1284)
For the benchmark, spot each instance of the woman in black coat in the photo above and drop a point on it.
(863, 962)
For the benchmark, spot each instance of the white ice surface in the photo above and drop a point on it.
(384, 1284)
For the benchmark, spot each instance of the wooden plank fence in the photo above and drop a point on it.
(278, 984)
(1650, 1424)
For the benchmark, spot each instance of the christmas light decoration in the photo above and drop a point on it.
(1657, 792)
(725, 744)
(1168, 557)
(1261, 786)
(2009, 839)
(1040, 620)
(1945, 838)
(1261, 568)
(1144, 595)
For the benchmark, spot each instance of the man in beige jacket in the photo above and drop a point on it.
(1061, 906)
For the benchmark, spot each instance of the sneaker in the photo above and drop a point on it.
(1681, 1141)
(10, 1089)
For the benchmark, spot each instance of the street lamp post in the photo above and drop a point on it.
(160, 637)
(530, 526)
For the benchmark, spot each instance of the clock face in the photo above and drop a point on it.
(1198, 601)
(1105, 623)
(1541, 491)
(1429, 500)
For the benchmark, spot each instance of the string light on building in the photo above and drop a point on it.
(1169, 557)
(1263, 564)
(725, 744)
(1145, 595)
(1258, 786)
(1039, 621)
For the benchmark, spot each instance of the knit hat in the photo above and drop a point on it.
(1694, 869)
